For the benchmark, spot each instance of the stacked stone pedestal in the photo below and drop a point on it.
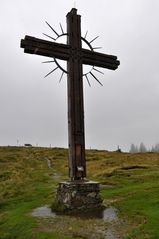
(79, 195)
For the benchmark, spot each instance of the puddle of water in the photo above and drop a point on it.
(108, 215)
(44, 211)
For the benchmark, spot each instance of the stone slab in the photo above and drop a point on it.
(79, 195)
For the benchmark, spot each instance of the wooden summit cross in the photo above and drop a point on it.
(75, 56)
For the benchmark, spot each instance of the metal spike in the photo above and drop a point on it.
(49, 36)
(94, 39)
(51, 72)
(98, 71)
(61, 76)
(96, 78)
(47, 61)
(86, 34)
(61, 28)
(52, 29)
(97, 48)
(88, 80)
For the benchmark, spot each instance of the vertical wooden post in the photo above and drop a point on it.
(77, 164)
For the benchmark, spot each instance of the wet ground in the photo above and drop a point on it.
(44, 211)
(108, 214)
(104, 222)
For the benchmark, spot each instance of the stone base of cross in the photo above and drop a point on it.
(79, 195)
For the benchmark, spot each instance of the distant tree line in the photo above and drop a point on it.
(142, 148)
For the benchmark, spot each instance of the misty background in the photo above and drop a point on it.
(33, 109)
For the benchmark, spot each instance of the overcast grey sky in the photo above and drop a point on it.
(34, 109)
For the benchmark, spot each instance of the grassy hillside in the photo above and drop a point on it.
(129, 182)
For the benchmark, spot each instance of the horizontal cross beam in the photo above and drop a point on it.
(41, 47)
(99, 59)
